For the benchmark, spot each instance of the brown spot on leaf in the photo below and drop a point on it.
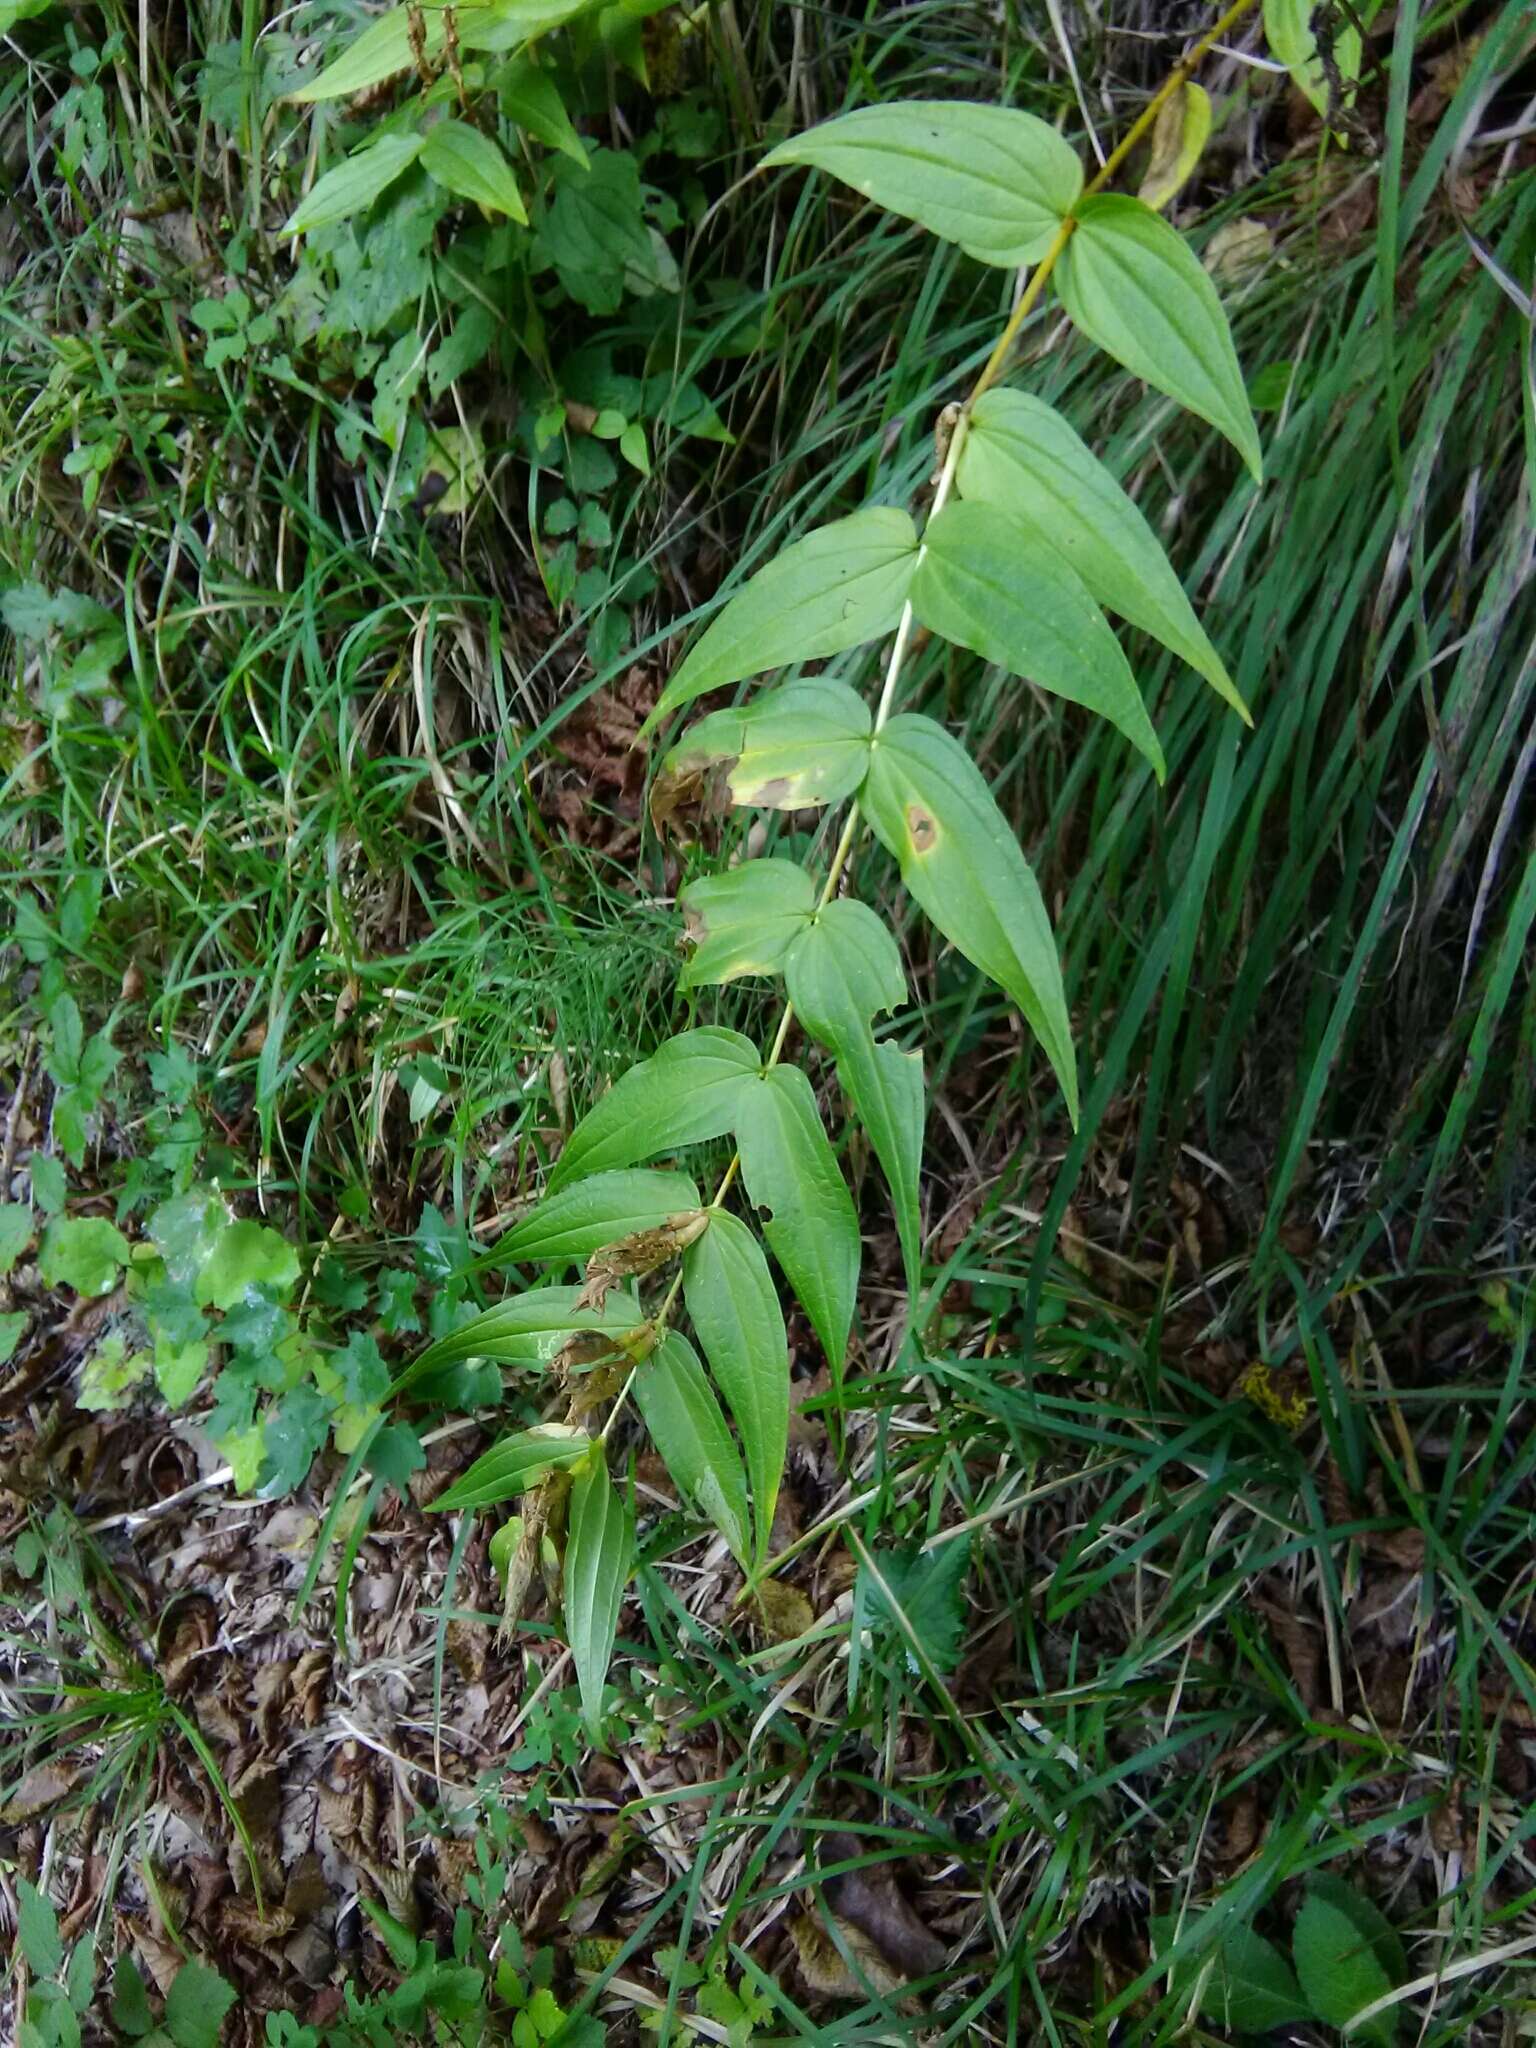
(921, 829)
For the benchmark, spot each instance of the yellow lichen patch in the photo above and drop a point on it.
(1274, 1395)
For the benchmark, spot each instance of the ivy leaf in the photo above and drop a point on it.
(596, 1213)
(16, 1231)
(394, 1453)
(1348, 1956)
(599, 1554)
(83, 1252)
(186, 1231)
(931, 808)
(1020, 455)
(472, 167)
(355, 183)
(928, 1589)
(246, 1255)
(744, 921)
(1134, 286)
(996, 180)
(841, 585)
(792, 748)
(361, 1369)
(697, 1448)
(397, 1301)
(840, 972)
(515, 1464)
(793, 1180)
(737, 1318)
(991, 583)
(685, 1092)
(292, 1438)
(528, 1329)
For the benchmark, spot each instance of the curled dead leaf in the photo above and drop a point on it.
(871, 1900)
(643, 1251)
(827, 1973)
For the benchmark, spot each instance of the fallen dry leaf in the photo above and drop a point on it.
(871, 1900)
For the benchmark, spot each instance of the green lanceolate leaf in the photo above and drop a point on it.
(529, 1329)
(696, 1445)
(529, 96)
(354, 184)
(1292, 42)
(515, 1464)
(736, 1315)
(596, 1213)
(1348, 1956)
(743, 922)
(930, 807)
(792, 1177)
(599, 1553)
(385, 48)
(840, 973)
(790, 749)
(1020, 455)
(997, 181)
(991, 583)
(843, 584)
(1132, 284)
(472, 167)
(685, 1092)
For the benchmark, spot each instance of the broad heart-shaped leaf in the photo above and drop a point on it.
(685, 1092)
(354, 183)
(1020, 455)
(472, 167)
(742, 922)
(512, 1466)
(595, 1213)
(840, 585)
(1347, 1956)
(686, 1425)
(793, 1179)
(992, 584)
(599, 1553)
(789, 749)
(1247, 1986)
(1132, 284)
(930, 807)
(997, 181)
(843, 969)
(840, 972)
(529, 1329)
(736, 1315)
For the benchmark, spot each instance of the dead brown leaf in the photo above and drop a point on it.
(871, 1900)
(824, 1970)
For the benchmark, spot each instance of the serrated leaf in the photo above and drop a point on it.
(1246, 1985)
(804, 1208)
(738, 1321)
(1134, 286)
(354, 184)
(927, 1600)
(37, 1930)
(246, 1255)
(789, 749)
(599, 1553)
(996, 180)
(684, 1093)
(1020, 455)
(841, 585)
(195, 2006)
(472, 167)
(743, 922)
(1340, 1968)
(991, 583)
(596, 1212)
(83, 1252)
(1179, 135)
(16, 1233)
(512, 1466)
(130, 2002)
(688, 1429)
(529, 1329)
(931, 808)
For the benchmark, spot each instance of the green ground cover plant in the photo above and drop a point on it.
(1141, 1586)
